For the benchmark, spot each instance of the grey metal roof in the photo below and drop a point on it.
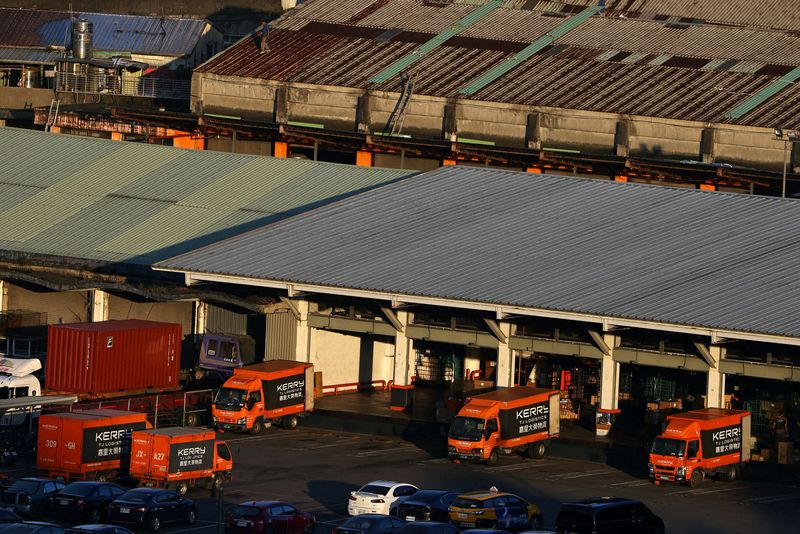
(641, 252)
(111, 33)
(97, 199)
(29, 56)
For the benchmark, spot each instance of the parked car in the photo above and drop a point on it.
(30, 496)
(101, 529)
(427, 527)
(31, 527)
(84, 500)
(427, 505)
(269, 516)
(493, 531)
(494, 510)
(370, 524)
(608, 515)
(152, 508)
(379, 497)
(8, 516)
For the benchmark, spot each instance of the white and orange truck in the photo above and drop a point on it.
(258, 395)
(179, 458)
(700, 443)
(518, 418)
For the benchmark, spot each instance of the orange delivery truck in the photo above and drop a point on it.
(518, 418)
(712, 441)
(258, 395)
(179, 458)
(87, 445)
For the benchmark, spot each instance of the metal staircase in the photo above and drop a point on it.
(52, 115)
(394, 125)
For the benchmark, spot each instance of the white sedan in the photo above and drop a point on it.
(378, 497)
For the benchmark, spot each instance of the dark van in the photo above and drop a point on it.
(608, 515)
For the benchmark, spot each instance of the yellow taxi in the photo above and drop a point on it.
(494, 509)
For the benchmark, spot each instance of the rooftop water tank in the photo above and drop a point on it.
(81, 39)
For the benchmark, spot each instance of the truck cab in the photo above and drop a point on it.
(239, 404)
(17, 380)
(216, 357)
(474, 432)
(676, 453)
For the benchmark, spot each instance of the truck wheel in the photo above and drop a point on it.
(696, 479)
(94, 516)
(492, 459)
(102, 477)
(536, 450)
(216, 482)
(731, 473)
(256, 428)
(154, 524)
(182, 488)
(290, 422)
(191, 516)
(191, 419)
(535, 522)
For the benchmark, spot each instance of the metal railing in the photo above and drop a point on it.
(111, 84)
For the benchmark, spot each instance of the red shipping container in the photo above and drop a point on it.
(113, 357)
(84, 442)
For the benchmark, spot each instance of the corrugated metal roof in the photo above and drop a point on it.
(694, 72)
(111, 33)
(29, 56)
(661, 254)
(111, 201)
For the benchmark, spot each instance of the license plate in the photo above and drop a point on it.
(124, 510)
(241, 523)
(463, 516)
(663, 477)
(410, 518)
(63, 502)
(464, 524)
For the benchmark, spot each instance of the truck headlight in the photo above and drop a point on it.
(213, 418)
(477, 451)
(242, 421)
(650, 468)
(680, 471)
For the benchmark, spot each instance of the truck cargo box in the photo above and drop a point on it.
(113, 357)
(285, 383)
(167, 453)
(523, 410)
(78, 443)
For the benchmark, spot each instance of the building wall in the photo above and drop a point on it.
(60, 306)
(344, 358)
(20, 98)
(506, 125)
(171, 312)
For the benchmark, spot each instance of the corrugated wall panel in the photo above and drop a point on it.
(281, 335)
(222, 321)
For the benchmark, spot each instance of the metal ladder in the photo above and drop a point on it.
(52, 115)
(395, 123)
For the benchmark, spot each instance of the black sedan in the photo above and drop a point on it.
(427, 527)
(98, 529)
(152, 508)
(370, 524)
(85, 500)
(30, 497)
(31, 527)
(427, 505)
(7, 516)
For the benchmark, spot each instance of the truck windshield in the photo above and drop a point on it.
(467, 428)
(230, 397)
(668, 447)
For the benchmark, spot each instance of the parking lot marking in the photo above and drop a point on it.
(631, 483)
(515, 467)
(771, 499)
(703, 492)
(381, 452)
(580, 474)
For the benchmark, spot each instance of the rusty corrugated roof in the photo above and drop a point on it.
(608, 64)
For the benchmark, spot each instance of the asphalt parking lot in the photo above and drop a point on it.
(315, 470)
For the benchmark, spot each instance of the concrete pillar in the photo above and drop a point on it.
(707, 141)
(505, 358)
(609, 388)
(303, 342)
(715, 386)
(622, 139)
(3, 295)
(402, 348)
(99, 311)
(281, 111)
(200, 317)
(533, 131)
(364, 114)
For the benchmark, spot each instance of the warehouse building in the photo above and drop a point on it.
(649, 91)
